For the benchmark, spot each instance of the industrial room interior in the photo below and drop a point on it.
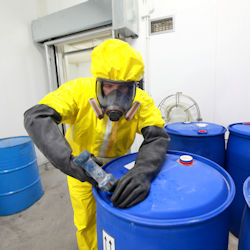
(201, 52)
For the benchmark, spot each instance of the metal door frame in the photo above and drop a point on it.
(52, 56)
(52, 61)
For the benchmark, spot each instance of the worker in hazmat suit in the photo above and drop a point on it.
(104, 114)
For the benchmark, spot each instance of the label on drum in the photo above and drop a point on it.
(129, 165)
(108, 241)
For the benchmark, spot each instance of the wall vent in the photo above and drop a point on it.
(162, 25)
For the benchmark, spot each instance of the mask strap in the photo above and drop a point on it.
(131, 112)
(98, 111)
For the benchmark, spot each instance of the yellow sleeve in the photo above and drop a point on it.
(149, 114)
(64, 101)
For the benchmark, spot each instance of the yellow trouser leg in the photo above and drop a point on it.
(84, 207)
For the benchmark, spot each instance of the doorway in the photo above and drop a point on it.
(69, 58)
(73, 58)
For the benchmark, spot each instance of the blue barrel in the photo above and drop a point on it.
(202, 138)
(187, 208)
(244, 239)
(237, 164)
(20, 184)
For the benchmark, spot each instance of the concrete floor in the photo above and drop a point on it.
(48, 224)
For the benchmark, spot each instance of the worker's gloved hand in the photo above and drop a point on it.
(41, 124)
(131, 189)
(79, 173)
(83, 161)
(134, 186)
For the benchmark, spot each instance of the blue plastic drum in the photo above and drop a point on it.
(237, 164)
(20, 184)
(187, 208)
(244, 239)
(201, 138)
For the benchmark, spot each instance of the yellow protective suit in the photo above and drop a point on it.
(100, 137)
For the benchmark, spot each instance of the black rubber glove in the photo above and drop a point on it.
(134, 186)
(41, 124)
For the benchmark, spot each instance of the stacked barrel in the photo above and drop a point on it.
(201, 138)
(237, 164)
(20, 183)
(244, 239)
(207, 140)
(187, 207)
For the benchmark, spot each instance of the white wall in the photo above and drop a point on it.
(232, 76)
(23, 70)
(206, 57)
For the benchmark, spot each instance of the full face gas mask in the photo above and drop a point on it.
(115, 97)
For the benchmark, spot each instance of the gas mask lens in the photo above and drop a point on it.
(115, 97)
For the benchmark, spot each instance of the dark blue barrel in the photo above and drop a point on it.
(20, 184)
(244, 239)
(187, 208)
(238, 166)
(202, 138)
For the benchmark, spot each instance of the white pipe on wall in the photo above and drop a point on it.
(148, 9)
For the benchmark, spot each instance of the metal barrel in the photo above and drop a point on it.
(20, 184)
(237, 165)
(201, 138)
(187, 207)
